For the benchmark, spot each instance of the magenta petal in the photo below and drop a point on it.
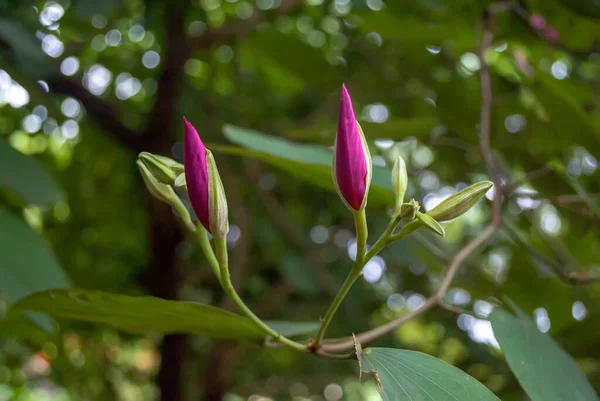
(196, 172)
(350, 160)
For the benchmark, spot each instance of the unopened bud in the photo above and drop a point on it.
(399, 181)
(459, 203)
(430, 223)
(352, 168)
(159, 190)
(551, 35)
(408, 210)
(536, 21)
(164, 169)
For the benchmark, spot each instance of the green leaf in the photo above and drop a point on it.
(544, 369)
(27, 264)
(409, 376)
(310, 163)
(294, 329)
(397, 129)
(25, 176)
(566, 112)
(150, 314)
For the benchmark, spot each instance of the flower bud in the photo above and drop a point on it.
(459, 203)
(159, 190)
(408, 210)
(551, 35)
(164, 169)
(352, 160)
(204, 184)
(536, 21)
(430, 223)
(399, 181)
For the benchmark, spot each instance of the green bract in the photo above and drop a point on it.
(430, 223)
(217, 202)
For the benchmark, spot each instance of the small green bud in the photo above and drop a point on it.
(217, 202)
(399, 181)
(459, 203)
(159, 190)
(408, 210)
(164, 169)
(430, 223)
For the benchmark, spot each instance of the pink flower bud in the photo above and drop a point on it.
(537, 21)
(196, 173)
(352, 161)
(551, 35)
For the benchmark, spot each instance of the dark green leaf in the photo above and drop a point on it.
(544, 369)
(397, 129)
(150, 314)
(27, 264)
(409, 375)
(25, 176)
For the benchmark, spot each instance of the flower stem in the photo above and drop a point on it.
(362, 232)
(184, 214)
(208, 252)
(221, 254)
(337, 301)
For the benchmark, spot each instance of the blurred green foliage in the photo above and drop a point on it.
(84, 82)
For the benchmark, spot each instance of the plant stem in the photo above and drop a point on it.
(184, 215)
(362, 232)
(337, 301)
(208, 252)
(221, 255)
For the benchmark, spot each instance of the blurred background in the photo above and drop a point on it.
(85, 85)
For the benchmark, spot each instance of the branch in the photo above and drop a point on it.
(159, 127)
(565, 273)
(103, 112)
(232, 31)
(430, 303)
(485, 116)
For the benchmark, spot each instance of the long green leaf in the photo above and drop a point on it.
(544, 369)
(310, 163)
(150, 314)
(409, 376)
(25, 176)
